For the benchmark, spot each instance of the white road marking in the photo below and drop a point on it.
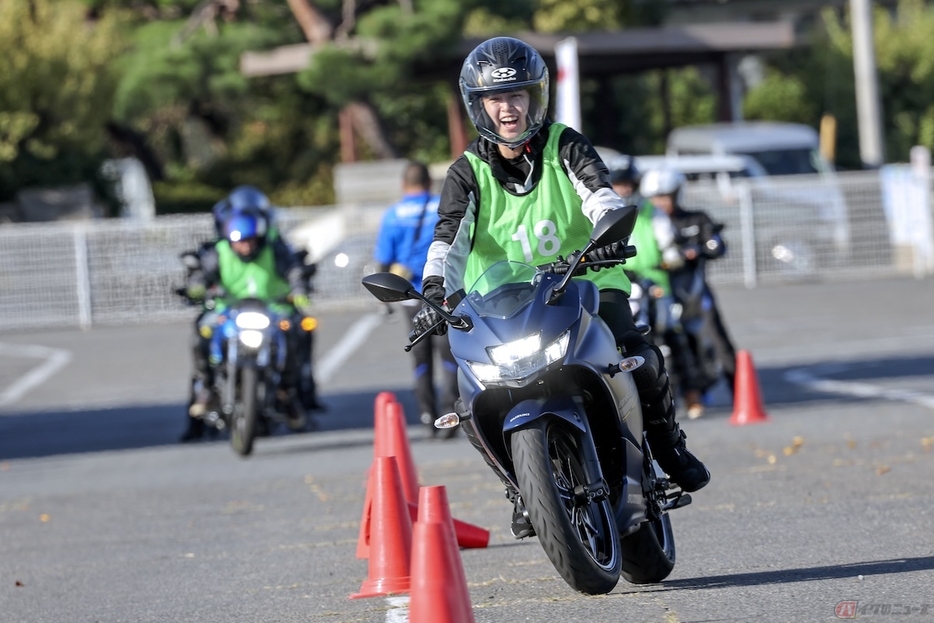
(806, 378)
(398, 611)
(55, 359)
(351, 341)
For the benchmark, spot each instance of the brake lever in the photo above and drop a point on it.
(421, 337)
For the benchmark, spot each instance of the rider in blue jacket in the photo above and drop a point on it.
(405, 234)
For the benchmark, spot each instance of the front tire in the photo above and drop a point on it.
(579, 537)
(243, 425)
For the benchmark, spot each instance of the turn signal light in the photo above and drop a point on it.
(309, 324)
(285, 325)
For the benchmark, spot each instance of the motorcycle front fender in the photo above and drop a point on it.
(530, 410)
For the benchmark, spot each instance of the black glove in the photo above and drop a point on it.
(613, 251)
(426, 318)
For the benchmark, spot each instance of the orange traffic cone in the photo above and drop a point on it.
(379, 404)
(389, 440)
(467, 535)
(391, 533)
(439, 586)
(747, 400)
(394, 441)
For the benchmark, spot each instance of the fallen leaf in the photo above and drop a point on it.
(772, 459)
(927, 443)
(18, 583)
(851, 443)
(884, 469)
(44, 518)
(789, 450)
(4, 466)
(798, 441)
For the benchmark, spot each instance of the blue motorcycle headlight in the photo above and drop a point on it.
(252, 320)
(519, 359)
(251, 338)
(509, 354)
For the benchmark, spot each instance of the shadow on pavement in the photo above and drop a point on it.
(38, 434)
(807, 574)
(49, 433)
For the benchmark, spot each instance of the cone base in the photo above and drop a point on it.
(382, 588)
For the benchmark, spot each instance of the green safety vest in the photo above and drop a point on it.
(254, 279)
(534, 228)
(647, 263)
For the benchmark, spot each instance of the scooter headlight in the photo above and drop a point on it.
(521, 358)
(251, 338)
(252, 320)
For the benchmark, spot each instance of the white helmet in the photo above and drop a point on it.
(662, 182)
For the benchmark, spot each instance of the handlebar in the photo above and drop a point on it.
(561, 265)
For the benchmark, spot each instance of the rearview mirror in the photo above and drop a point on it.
(389, 287)
(614, 226)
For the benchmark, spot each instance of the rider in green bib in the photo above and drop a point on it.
(531, 190)
(245, 263)
(654, 235)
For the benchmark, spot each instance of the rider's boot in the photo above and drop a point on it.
(296, 419)
(668, 446)
(202, 400)
(194, 431)
(521, 527)
(664, 435)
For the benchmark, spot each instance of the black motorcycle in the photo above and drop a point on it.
(551, 405)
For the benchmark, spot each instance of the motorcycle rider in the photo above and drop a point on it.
(527, 189)
(698, 239)
(654, 238)
(245, 263)
(402, 247)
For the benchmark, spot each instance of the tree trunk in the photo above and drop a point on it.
(366, 124)
(316, 27)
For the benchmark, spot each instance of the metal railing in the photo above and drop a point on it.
(125, 271)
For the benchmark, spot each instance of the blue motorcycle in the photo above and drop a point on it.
(551, 405)
(249, 352)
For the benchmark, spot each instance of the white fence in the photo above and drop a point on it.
(122, 271)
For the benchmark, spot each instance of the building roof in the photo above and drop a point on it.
(599, 53)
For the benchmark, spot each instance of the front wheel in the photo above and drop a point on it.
(579, 535)
(243, 425)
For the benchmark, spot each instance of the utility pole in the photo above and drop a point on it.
(869, 110)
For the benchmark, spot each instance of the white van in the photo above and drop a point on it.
(781, 148)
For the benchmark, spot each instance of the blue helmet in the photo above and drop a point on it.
(242, 197)
(221, 212)
(248, 197)
(246, 225)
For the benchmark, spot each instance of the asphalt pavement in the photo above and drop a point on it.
(822, 510)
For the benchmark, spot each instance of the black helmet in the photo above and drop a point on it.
(502, 65)
(623, 169)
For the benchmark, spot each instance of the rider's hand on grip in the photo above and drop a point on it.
(612, 251)
(426, 319)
